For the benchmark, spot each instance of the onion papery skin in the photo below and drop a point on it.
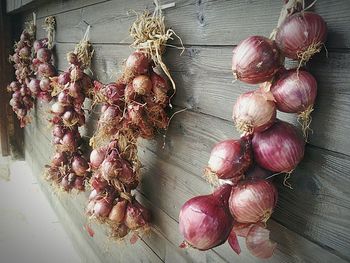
(253, 201)
(255, 60)
(280, 148)
(258, 242)
(136, 216)
(253, 112)
(229, 159)
(300, 33)
(294, 91)
(205, 221)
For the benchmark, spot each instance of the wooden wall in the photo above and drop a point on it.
(311, 222)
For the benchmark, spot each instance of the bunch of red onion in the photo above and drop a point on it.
(139, 99)
(22, 101)
(275, 146)
(132, 107)
(69, 169)
(44, 70)
(111, 200)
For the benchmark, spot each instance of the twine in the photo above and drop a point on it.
(84, 50)
(49, 27)
(150, 36)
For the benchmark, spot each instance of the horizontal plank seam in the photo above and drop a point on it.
(189, 45)
(152, 249)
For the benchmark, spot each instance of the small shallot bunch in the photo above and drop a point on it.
(44, 70)
(115, 174)
(22, 101)
(69, 169)
(136, 101)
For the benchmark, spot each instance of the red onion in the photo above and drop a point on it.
(254, 111)
(58, 131)
(126, 175)
(24, 52)
(34, 86)
(301, 35)
(44, 54)
(258, 242)
(136, 216)
(114, 92)
(79, 183)
(159, 83)
(118, 211)
(253, 201)
(74, 89)
(97, 156)
(46, 70)
(63, 78)
(69, 141)
(14, 85)
(59, 159)
(65, 183)
(102, 207)
(79, 165)
(294, 91)
(44, 84)
(255, 60)
(64, 98)
(137, 63)
(98, 183)
(278, 149)
(93, 195)
(37, 45)
(58, 108)
(205, 221)
(229, 159)
(142, 85)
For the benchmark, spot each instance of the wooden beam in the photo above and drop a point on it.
(4, 79)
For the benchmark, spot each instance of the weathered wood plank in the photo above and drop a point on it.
(61, 6)
(172, 176)
(200, 22)
(204, 81)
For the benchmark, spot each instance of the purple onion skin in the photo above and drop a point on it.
(205, 221)
(299, 31)
(255, 60)
(280, 148)
(230, 158)
(294, 91)
(257, 172)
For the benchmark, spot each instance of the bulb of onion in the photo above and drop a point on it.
(205, 221)
(254, 111)
(256, 59)
(253, 201)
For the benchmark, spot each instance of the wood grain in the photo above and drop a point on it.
(202, 22)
